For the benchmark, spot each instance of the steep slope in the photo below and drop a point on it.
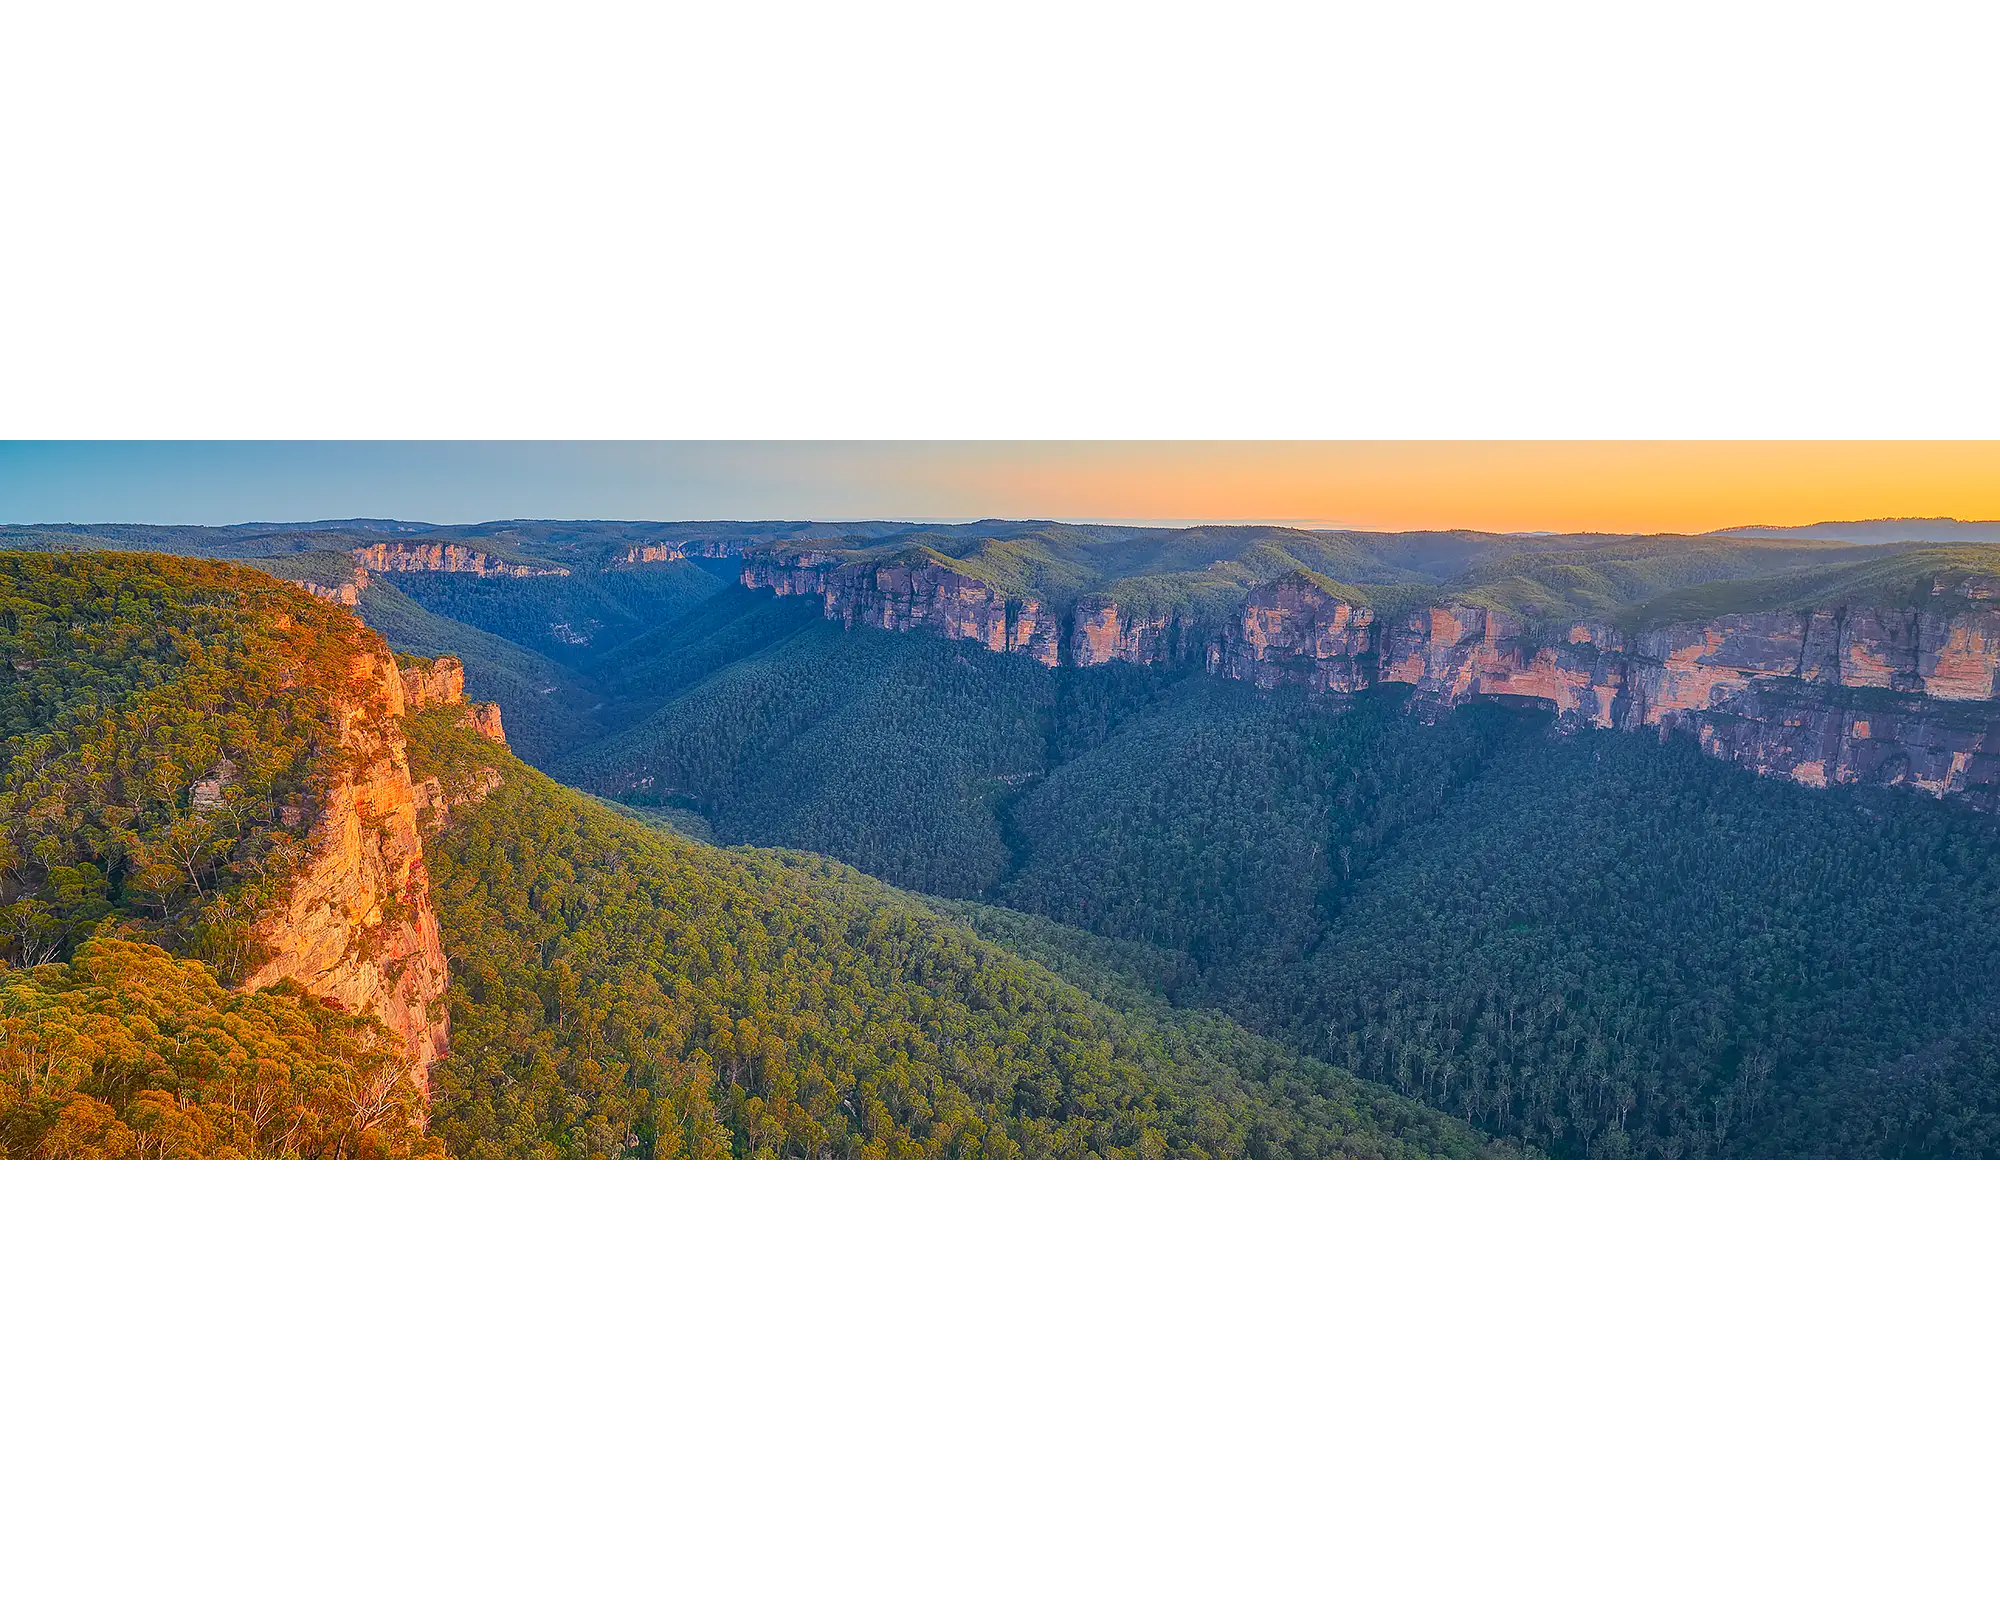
(898, 753)
(1562, 622)
(1595, 627)
(207, 759)
(1330, 869)
(621, 990)
(125, 1051)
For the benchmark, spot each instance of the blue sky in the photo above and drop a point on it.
(221, 482)
(1520, 485)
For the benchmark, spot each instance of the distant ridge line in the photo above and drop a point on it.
(1874, 530)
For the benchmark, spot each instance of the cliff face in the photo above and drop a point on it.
(433, 683)
(1292, 632)
(1101, 631)
(483, 718)
(434, 555)
(431, 556)
(1847, 695)
(347, 593)
(1450, 654)
(641, 553)
(1850, 694)
(902, 597)
(442, 683)
(1783, 729)
(358, 928)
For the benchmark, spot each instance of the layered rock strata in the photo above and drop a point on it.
(442, 683)
(358, 927)
(1102, 631)
(1842, 695)
(906, 596)
(435, 555)
(1292, 632)
(1849, 694)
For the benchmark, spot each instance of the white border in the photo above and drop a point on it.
(1039, 220)
(1543, 1379)
(1051, 219)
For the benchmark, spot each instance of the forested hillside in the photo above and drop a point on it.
(1601, 944)
(621, 990)
(186, 741)
(1709, 962)
(125, 1051)
(1591, 943)
(134, 679)
(165, 726)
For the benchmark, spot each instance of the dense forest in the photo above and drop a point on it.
(617, 990)
(621, 990)
(164, 728)
(1601, 944)
(127, 1051)
(1188, 916)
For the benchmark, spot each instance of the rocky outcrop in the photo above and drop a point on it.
(429, 555)
(442, 683)
(1791, 731)
(435, 802)
(1102, 631)
(1293, 632)
(206, 794)
(1840, 695)
(1451, 654)
(437, 555)
(433, 683)
(639, 554)
(1846, 694)
(345, 593)
(483, 718)
(358, 928)
(903, 595)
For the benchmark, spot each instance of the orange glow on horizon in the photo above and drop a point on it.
(1652, 486)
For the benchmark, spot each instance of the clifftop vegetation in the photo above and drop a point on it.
(160, 722)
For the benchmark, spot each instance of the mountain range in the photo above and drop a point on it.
(591, 838)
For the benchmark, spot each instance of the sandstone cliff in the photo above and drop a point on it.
(432, 683)
(1293, 632)
(1902, 696)
(435, 555)
(639, 554)
(346, 593)
(426, 556)
(906, 595)
(358, 927)
(1862, 694)
(442, 683)
(1103, 630)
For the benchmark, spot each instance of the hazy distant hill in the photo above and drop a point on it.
(1881, 530)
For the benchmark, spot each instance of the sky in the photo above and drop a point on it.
(1519, 486)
